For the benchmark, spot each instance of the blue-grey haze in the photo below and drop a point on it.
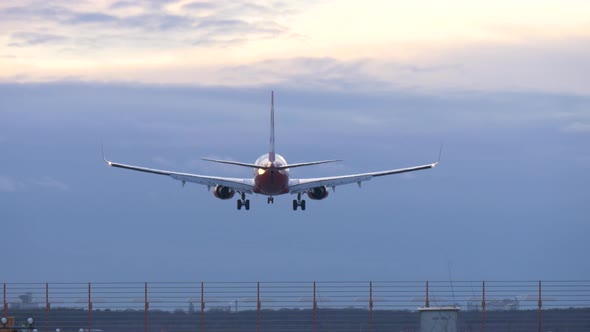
(509, 200)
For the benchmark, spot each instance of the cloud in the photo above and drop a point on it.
(333, 74)
(198, 6)
(557, 66)
(326, 73)
(225, 22)
(217, 24)
(10, 184)
(239, 43)
(124, 5)
(49, 183)
(81, 18)
(214, 24)
(247, 8)
(64, 17)
(21, 39)
(227, 32)
(577, 128)
(36, 11)
(155, 22)
(7, 184)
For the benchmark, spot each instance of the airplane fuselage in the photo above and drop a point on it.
(271, 181)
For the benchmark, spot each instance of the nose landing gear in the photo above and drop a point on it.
(270, 200)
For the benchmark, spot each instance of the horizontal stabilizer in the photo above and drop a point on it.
(237, 163)
(307, 164)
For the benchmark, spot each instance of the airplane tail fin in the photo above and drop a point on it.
(271, 154)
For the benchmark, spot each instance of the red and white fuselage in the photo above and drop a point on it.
(270, 179)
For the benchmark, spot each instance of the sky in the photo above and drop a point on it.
(378, 84)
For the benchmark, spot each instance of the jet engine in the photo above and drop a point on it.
(222, 192)
(317, 193)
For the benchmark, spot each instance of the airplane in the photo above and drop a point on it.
(271, 176)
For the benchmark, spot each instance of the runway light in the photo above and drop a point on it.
(30, 320)
(3, 320)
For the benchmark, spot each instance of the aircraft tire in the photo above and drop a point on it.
(303, 205)
(239, 204)
(247, 204)
(294, 205)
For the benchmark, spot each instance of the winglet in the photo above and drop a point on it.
(439, 155)
(103, 157)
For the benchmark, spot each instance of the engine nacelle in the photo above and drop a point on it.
(222, 192)
(318, 193)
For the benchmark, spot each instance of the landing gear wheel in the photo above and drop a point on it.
(270, 200)
(299, 203)
(243, 202)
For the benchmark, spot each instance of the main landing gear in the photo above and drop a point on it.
(299, 203)
(243, 202)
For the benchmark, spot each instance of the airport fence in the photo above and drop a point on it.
(376, 306)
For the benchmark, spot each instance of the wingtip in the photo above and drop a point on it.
(439, 155)
(103, 156)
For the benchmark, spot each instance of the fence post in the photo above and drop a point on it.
(46, 307)
(89, 308)
(540, 309)
(427, 301)
(370, 306)
(483, 306)
(202, 306)
(146, 308)
(315, 308)
(258, 307)
(5, 308)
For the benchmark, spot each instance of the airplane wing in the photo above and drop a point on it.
(240, 185)
(301, 185)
